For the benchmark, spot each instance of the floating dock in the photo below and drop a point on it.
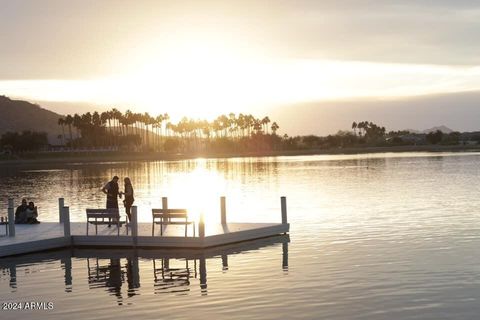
(33, 238)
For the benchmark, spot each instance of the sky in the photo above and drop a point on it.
(202, 58)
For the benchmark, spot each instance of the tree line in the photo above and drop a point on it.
(128, 130)
(23, 141)
(227, 133)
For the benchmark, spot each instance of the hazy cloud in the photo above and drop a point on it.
(458, 111)
(81, 39)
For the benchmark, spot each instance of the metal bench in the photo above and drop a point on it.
(103, 217)
(171, 216)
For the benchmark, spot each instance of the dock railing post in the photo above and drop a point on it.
(164, 203)
(66, 221)
(201, 227)
(164, 206)
(283, 201)
(11, 218)
(223, 210)
(61, 204)
(134, 223)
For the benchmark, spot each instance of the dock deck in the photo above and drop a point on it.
(50, 235)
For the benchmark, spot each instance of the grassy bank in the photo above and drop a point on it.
(86, 157)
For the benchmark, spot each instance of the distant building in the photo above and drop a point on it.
(413, 138)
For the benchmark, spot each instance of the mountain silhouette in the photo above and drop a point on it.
(444, 129)
(18, 115)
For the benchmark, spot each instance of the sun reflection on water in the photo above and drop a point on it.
(198, 191)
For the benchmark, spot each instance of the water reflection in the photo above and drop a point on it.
(110, 276)
(67, 267)
(375, 237)
(109, 273)
(194, 184)
(13, 277)
(171, 279)
(117, 272)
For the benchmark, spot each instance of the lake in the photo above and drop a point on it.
(373, 236)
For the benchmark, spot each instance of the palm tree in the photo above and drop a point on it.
(166, 117)
(116, 116)
(61, 122)
(257, 126)
(159, 125)
(354, 127)
(250, 121)
(128, 120)
(265, 121)
(274, 128)
(169, 127)
(69, 120)
(216, 127)
(241, 123)
(122, 122)
(77, 123)
(104, 118)
(149, 121)
(360, 126)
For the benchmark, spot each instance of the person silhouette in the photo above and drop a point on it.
(128, 201)
(112, 191)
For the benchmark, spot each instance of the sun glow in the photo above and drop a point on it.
(204, 60)
(206, 73)
(201, 77)
(194, 76)
(202, 187)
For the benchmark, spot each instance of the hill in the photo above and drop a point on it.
(18, 115)
(444, 129)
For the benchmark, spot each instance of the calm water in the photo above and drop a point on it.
(379, 236)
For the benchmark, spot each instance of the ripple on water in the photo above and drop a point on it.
(381, 236)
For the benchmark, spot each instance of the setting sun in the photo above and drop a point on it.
(193, 78)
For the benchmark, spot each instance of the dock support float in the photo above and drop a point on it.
(66, 221)
(223, 210)
(283, 201)
(61, 204)
(11, 218)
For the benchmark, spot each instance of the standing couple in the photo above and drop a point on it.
(112, 190)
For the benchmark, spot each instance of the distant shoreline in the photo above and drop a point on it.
(89, 157)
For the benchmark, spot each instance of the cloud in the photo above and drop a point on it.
(206, 86)
(86, 39)
(417, 32)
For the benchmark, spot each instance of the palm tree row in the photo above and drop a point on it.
(368, 129)
(116, 129)
(231, 126)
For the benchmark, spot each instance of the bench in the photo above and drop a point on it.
(104, 216)
(171, 216)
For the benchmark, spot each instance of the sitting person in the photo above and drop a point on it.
(21, 212)
(26, 214)
(32, 213)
